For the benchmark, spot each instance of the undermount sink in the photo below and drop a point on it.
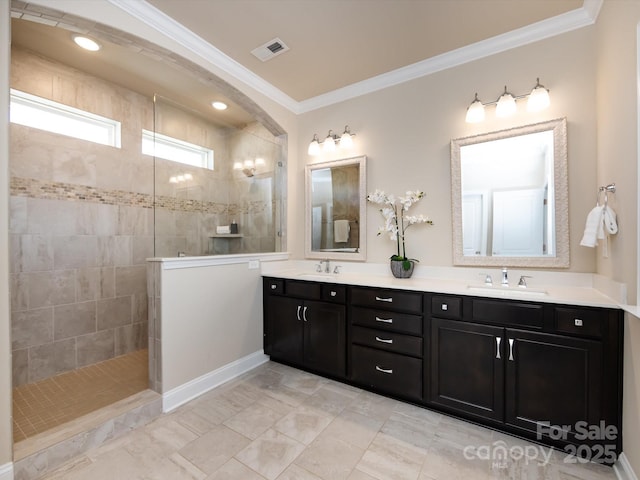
(506, 291)
(319, 276)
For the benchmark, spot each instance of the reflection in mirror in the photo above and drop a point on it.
(335, 215)
(509, 197)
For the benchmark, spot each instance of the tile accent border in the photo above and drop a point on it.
(33, 188)
(196, 387)
(6, 471)
(623, 469)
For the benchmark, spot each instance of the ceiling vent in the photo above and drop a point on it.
(271, 49)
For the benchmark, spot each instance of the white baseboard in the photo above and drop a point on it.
(623, 468)
(196, 387)
(6, 471)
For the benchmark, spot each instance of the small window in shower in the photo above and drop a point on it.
(43, 114)
(169, 148)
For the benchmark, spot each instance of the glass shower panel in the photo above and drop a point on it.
(208, 176)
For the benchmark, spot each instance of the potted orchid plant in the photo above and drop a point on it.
(394, 210)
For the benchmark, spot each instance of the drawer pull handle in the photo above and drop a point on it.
(498, 340)
(273, 286)
(511, 340)
(380, 299)
(298, 312)
(384, 370)
(333, 294)
(304, 313)
(384, 320)
(577, 322)
(444, 307)
(384, 340)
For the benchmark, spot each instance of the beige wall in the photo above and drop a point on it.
(405, 132)
(5, 328)
(617, 56)
(208, 320)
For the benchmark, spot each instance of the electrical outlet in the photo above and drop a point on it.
(254, 264)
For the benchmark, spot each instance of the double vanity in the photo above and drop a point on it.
(546, 366)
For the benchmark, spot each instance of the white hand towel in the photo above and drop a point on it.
(341, 231)
(592, 227)
(610, 221)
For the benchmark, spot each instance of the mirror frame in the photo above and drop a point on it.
(361, 254)
(561, 198)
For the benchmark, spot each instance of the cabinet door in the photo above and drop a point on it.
(324, 337)
(284, 328)
(552, 378)
(467, 369)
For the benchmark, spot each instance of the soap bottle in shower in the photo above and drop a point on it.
(234, 227)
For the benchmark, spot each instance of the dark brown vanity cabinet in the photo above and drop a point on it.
(305, 325)
(543, 370)
(386, 336)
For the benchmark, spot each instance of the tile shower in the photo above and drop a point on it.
(84, 217)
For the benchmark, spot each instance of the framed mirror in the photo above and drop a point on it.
(510, 197)
(335, 202)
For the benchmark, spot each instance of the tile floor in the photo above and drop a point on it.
(277, 422)
(46, 404)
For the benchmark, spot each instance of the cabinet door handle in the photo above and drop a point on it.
(304, 313)
(384, 320)
(333, 294)
(273, 286)
(384, 370)
(384, 340)
(511, 340)
(577, 322)
(444, 307)
(498, 340)
(298, 312)
(380, 299)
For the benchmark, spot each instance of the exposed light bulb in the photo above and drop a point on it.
(219, 105)
(173, 180)
(248, 164)
(237, 166)
(259, 161)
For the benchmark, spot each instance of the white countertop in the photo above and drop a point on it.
(564, 288)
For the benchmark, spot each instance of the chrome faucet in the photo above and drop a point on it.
(327, 265)
(505, 277)
(523, 281)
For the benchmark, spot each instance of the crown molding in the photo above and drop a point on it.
(575, 19)
(156, 19)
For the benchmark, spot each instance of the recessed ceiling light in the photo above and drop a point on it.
(86, 43)
(219, 105)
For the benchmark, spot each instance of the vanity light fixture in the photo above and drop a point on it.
(249, 167)
(86, 43)
(329, 144)
(537, 100)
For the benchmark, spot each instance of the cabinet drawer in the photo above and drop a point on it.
(274, 285)
(508, 313)
(392, 342)
(387, 299)
(580, 321)
(388, 372)
(446, 306)
(334, 293)
(307, 290)
(385, 320)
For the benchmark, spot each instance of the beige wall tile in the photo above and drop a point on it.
(51, 288)
(131, 280)
(75, 251)
(20, 366)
